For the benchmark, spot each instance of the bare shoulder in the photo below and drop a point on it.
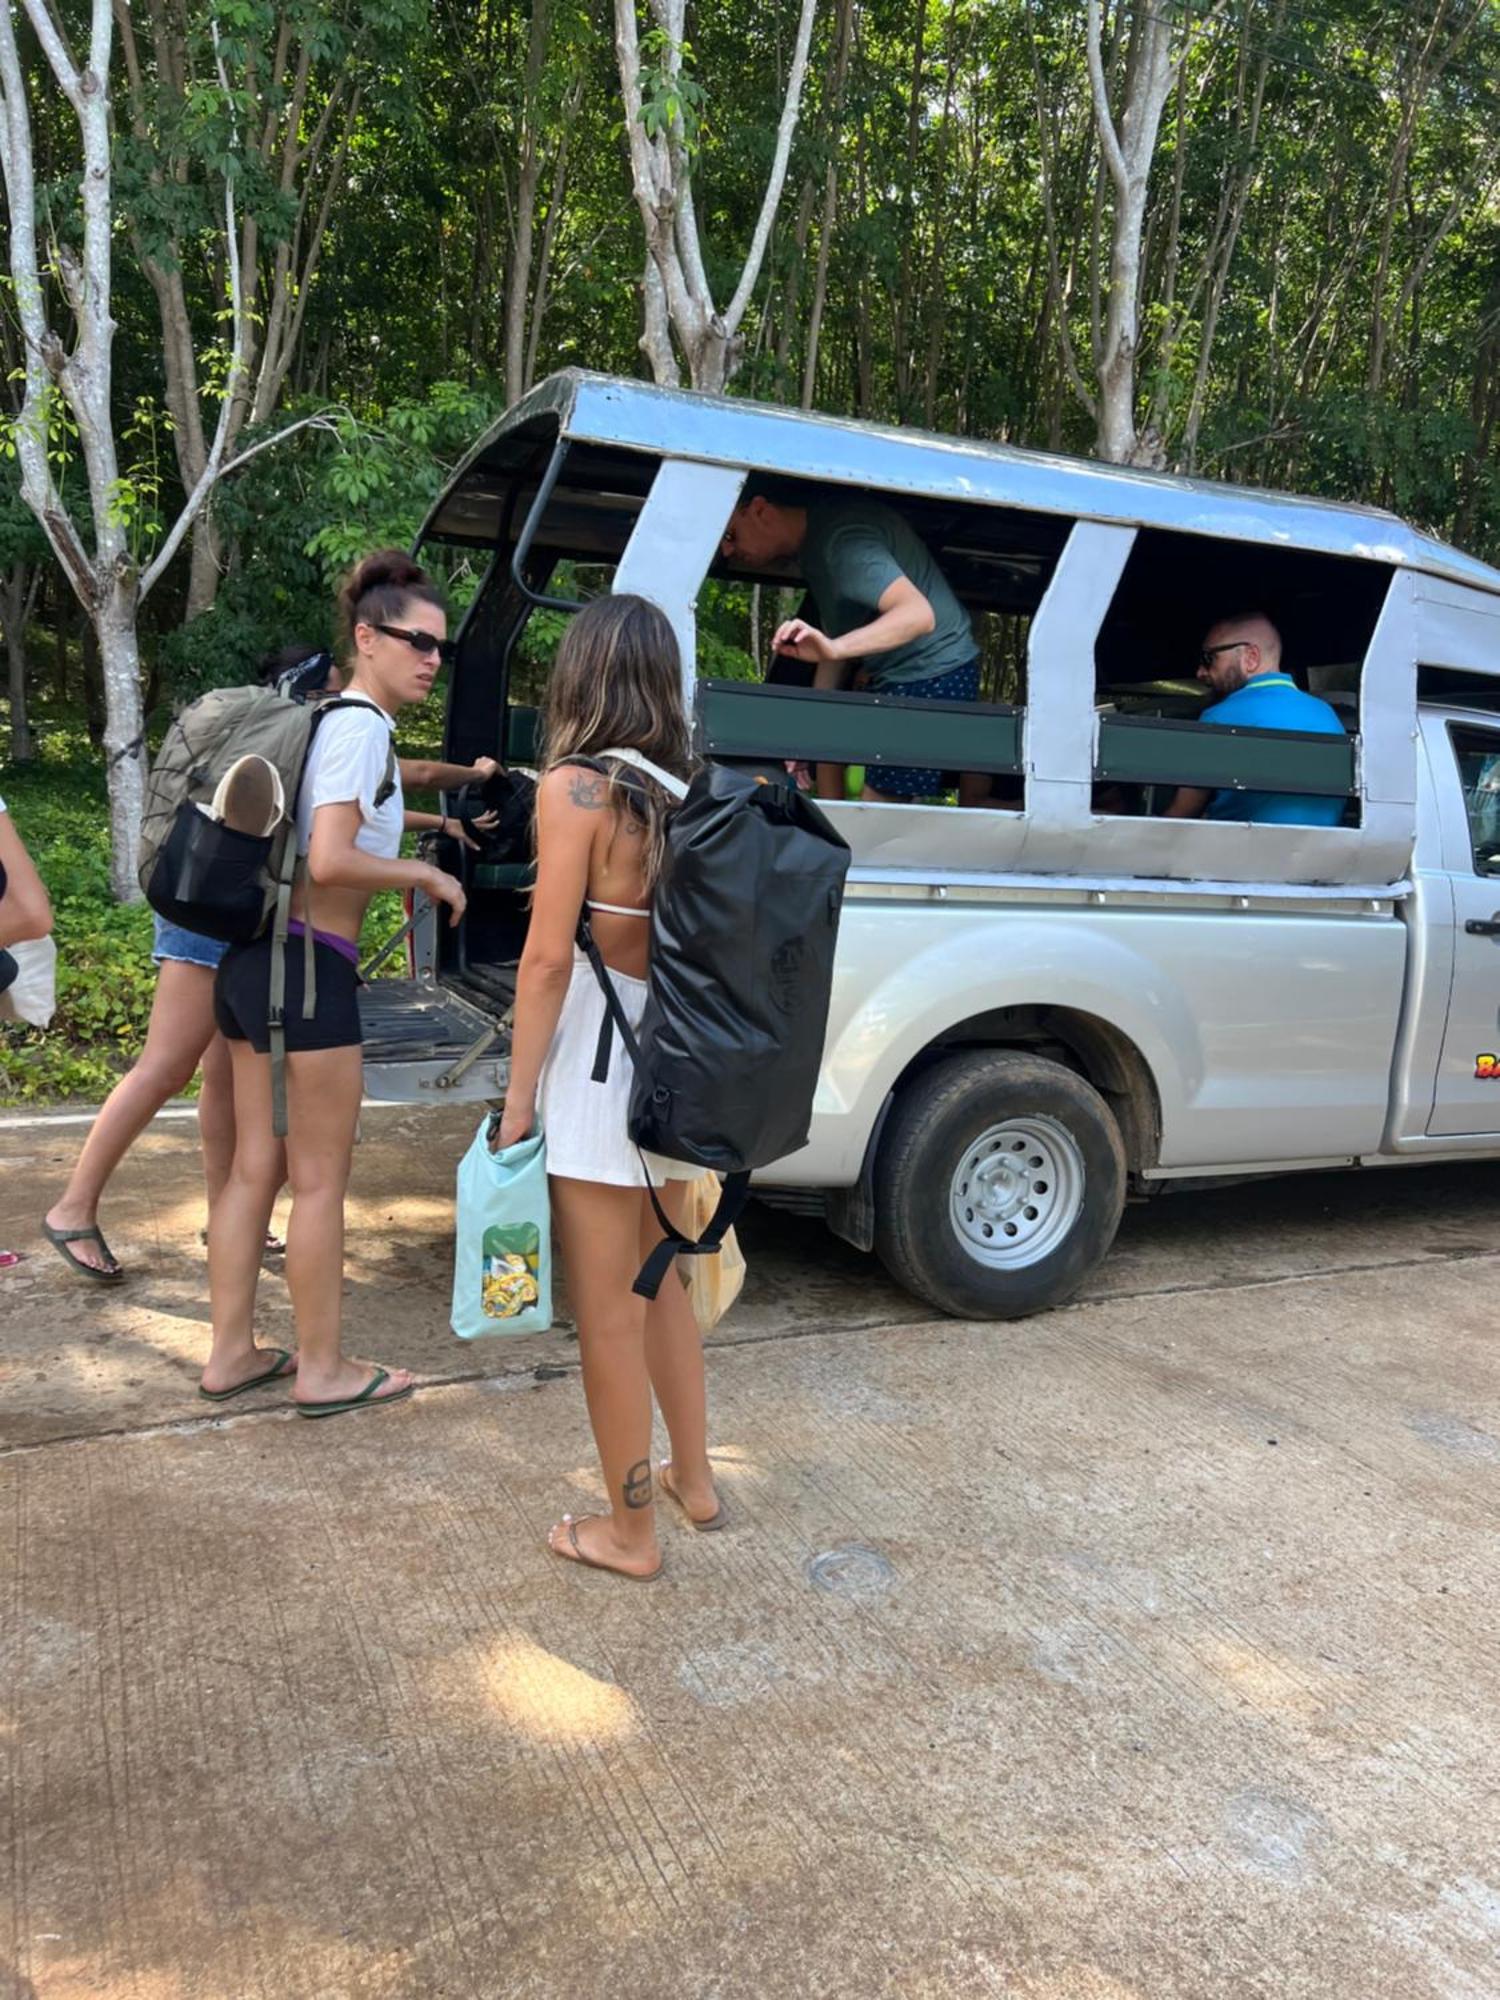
(571, 789)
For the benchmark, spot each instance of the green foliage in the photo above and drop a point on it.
(1320, 309)
(105, 978)
(300, 514)
(671, 97)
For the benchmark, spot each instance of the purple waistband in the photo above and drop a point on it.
(296, 928)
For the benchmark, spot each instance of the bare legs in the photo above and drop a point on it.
(181, 1028)
(216, 1117)
(674, 1360)
(323, 1093)
(627, 1349)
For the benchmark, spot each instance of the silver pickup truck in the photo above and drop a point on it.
(1063, 997)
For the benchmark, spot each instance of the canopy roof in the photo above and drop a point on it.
(630, 417)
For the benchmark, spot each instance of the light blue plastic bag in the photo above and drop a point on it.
(502, 1262)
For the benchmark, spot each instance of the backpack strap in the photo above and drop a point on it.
(388, 782)
(736, 1192)
(676, 787)
(736, 1186)
(276, 1010)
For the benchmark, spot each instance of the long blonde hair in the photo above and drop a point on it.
(616, 684)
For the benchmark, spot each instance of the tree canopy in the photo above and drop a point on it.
(432, 203)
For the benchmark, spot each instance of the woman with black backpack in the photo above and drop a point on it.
(350, 819)
(600, 833)
(181, 1036)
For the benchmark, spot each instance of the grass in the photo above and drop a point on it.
(105, 977)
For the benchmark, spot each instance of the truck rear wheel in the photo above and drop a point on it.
(998, 1186)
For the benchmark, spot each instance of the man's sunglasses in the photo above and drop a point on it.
(1205, 658)
(421, 642)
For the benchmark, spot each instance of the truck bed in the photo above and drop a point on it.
(416, 1031)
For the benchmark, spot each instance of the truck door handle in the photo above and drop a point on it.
(1483, 926)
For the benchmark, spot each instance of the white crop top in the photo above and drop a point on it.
(347, 765)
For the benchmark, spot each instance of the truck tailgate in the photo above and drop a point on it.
(416, 1033)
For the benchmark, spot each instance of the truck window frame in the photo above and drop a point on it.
(1164, 752)
(771, 721)
(1456, 731)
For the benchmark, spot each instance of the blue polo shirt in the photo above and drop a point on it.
(1274, 701)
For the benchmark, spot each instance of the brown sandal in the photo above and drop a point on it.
(717, 1520)
(579, 1555)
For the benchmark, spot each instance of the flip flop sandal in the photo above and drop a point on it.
(715, 1521)
(272, 1374)
(367, 1399)
(61, 1238)
(591, 1562)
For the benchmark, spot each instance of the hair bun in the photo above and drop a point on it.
(386, 569)
(379, 585)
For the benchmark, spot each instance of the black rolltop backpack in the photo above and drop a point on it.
(744, 921)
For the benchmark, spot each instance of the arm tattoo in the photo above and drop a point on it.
(587, 790)
(637, 1487)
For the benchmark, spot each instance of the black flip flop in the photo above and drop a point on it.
(61, 1238)
(274, 1373)
(367, 1399)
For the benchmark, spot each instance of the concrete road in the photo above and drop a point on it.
(1140, 1651)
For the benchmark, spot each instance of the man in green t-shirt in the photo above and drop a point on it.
(888, 614)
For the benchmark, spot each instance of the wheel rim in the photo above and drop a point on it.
(1017, 1192)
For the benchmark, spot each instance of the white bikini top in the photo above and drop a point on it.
(668, 783)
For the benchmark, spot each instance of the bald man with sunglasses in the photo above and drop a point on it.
(1240, 663)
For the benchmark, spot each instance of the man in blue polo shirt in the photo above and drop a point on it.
(1241, 663)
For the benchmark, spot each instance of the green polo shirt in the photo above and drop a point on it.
(855, 550)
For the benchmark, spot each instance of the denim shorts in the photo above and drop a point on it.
(185, 947)
(902, 781)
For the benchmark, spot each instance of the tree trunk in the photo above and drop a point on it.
(1127, 153)
(656, 330)
(124, 737)
(92, 678)
(203, 567)
(843, 42)
(62, 611)
(518, 275)
(539, 294)
(679, 299)
(16, 596)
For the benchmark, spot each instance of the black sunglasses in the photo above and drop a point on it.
(421, 642)
(1206, 657)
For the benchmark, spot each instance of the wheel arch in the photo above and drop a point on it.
(1094, 1048)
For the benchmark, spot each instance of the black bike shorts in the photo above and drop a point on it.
(242, 998)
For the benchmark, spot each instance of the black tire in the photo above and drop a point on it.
(921, 1216)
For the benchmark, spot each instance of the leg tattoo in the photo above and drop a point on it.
(637, 1488)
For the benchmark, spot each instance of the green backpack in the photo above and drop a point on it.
(226, 880)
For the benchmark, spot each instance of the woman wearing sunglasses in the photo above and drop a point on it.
(304, 672)
(350, 819)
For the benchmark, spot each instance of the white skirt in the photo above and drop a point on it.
(585, 1121)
